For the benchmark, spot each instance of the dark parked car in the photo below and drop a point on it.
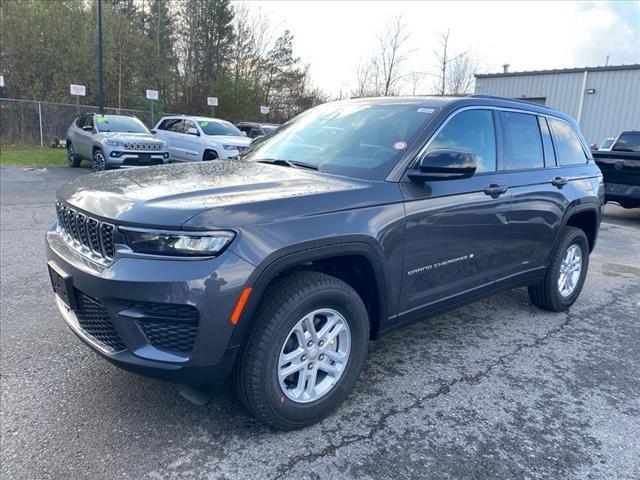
(353, 219)
(621, 170)
(255, 130)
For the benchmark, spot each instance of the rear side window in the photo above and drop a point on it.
(522, 141)
(471, 131)
(628, 142)
(568, 147)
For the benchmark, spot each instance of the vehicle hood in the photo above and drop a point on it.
(130, 137)
(229, 192)
(229, 140)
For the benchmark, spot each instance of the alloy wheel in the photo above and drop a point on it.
(570, 270)
(314, 355)
(99, 162)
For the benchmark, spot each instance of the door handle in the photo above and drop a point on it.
(559, 182)
(495, 191)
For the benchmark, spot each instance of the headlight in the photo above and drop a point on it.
(229, 147)
(114, 143)
(185, 244)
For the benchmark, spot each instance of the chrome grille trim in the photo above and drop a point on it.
(86, 234)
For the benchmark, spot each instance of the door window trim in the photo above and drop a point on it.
(500, 161)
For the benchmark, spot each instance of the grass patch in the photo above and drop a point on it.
(32, 157)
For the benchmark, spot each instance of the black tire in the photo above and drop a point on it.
(629, 204)
(287, 301)
(72, 158)
(99, 161)
(547, 294)
(209, 155)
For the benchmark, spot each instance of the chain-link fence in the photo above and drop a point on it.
(32, 123)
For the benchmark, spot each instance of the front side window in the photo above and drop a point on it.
(568, 148)
(357, 140)
(189, 124)
(522, 141)
(471, 131)
(168, 124)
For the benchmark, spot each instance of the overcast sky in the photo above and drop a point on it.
(333, 37)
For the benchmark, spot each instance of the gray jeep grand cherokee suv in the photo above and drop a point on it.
(112, 141)
(351, 220)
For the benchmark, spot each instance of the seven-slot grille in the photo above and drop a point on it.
(87, 232)
(142, 146)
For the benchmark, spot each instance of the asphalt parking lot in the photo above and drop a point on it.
(498, 389)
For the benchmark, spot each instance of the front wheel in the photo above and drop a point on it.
(99, 162)
(566, 273)
(304, 351)
(209, 155)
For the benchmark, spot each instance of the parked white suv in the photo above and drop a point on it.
(193, 139)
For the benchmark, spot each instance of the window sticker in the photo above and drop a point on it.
(102, 120)
(426, 110)
(203, 123)
(400, 145)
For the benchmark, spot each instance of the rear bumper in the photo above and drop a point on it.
(133, 312)
(620, 192)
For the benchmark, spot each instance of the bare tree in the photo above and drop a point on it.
(455, 73)
(461, 73)
(392, 55)
(381, 74)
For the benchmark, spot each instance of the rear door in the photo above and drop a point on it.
(536, 184)
(456, 230)
(84, 138)
(190, 144)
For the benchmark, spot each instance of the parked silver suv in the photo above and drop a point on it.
(112, 141)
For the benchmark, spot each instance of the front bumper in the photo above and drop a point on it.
(132, 312)
(117, 158)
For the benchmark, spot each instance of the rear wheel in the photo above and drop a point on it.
(99, 162)
(73, 159)
(209, 155)
(304, 351)
(566, 273)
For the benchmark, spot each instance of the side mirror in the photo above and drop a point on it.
(444, 164)
(193, 131)
(154, 131)
(244, 134)
(87, 128)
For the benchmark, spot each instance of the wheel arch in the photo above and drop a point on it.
(585, 217)
(356, 263)
(209, 149)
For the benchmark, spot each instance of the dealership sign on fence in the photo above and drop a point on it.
(152, 95)
(264, 110)
(212, 101)
(80, 90)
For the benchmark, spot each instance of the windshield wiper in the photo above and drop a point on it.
(287, 163)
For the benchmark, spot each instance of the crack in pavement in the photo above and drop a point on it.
(379, 424)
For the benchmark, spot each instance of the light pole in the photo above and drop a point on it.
(100, 65)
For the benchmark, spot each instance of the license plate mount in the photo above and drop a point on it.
(62, 284)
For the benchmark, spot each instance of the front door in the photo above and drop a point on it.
(456, 230)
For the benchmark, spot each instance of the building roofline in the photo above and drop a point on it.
(633, 66)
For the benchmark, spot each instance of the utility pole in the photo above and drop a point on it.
(100, 64)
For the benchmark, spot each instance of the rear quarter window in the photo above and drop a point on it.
(568, 147)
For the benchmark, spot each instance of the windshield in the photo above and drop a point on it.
(110, 123)
(607, 143)
(361, 141)
(216, 127)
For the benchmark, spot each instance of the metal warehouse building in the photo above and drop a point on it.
(604, 100)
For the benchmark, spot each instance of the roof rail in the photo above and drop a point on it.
(497, 97)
